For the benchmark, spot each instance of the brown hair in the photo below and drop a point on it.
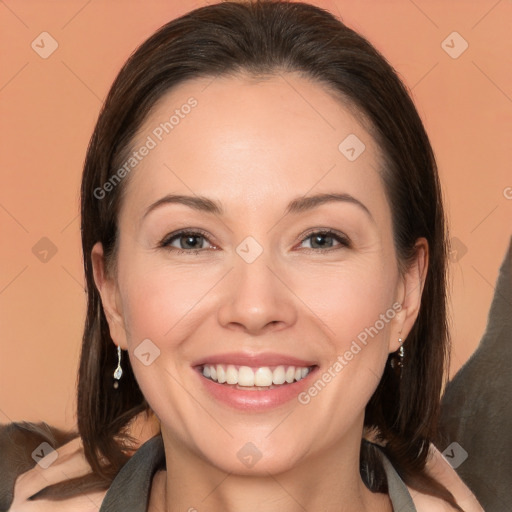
(264, 38)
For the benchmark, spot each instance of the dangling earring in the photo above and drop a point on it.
(118, 372)
(401, 353)
(397, 365)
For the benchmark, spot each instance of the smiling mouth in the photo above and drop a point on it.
(246, 378)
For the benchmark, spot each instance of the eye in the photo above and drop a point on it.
(322, 239)
(188, 241)
(192, 241)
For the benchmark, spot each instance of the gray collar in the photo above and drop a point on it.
(130, 488)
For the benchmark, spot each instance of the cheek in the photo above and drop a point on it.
(162, 304)
(158, 301)
(350, 298)
(355, 306)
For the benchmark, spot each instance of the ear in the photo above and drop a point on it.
(110, 299)
(409, 295)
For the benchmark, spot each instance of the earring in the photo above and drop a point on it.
(118, 372)
(401, 353)
(398, 364)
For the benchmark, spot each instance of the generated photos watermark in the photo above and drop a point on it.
(343, 360)
(157, 135)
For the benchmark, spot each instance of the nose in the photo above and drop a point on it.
(257, 299)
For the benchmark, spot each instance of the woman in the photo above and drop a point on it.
(264, 248)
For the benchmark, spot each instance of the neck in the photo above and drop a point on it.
(328, 481)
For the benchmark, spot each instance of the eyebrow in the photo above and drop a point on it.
(296, 206)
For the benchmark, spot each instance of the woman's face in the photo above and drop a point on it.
(260, 286)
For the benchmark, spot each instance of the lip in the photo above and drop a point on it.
(254, 360)
(255, 400)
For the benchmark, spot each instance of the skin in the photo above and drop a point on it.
(254, 146)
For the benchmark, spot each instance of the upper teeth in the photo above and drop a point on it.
(247, 376)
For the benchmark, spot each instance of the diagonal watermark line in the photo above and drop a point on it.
(209, 83)
(377, 378)
(198, 402)
(76, 14)
(424, 14)
(219, 218)
(286, 490)
(80, 80)
(421, 79)
(281, 422)
(14, 76)
(13, 13)
(206, 293)
(14, 218)
(14, 279)
(492, 81)
(307, 101)
(217, 486)
(335, 4)
(312, 187)
(491, 285)
(73, 277)
(51, 480)
(482, 276)
(485, 14)
(2, 412)
(492, 211)
(491, 489)
(82, 493)
(300, 299)
(69, 223)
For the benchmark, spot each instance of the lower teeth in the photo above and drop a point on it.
(259, 388)
(245, 388)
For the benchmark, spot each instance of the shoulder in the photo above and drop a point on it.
(441, 470)
(428, 503)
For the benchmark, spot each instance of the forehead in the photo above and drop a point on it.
(242, 138)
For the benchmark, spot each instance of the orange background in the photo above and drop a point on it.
(48, 108)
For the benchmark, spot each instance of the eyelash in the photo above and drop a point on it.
(341, 238)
